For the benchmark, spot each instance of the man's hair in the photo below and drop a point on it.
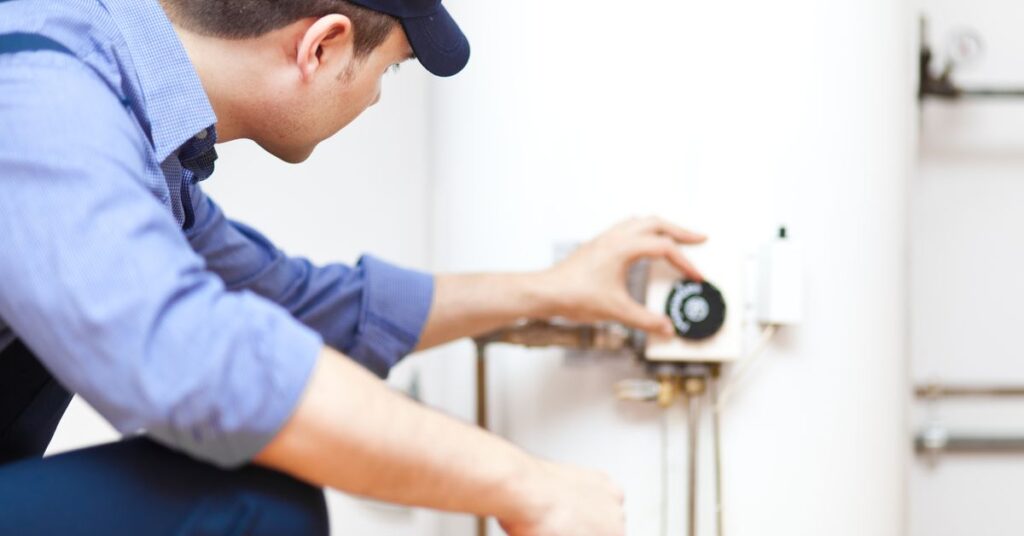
(241, 19)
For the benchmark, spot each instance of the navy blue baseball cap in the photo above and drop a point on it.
(436, 39)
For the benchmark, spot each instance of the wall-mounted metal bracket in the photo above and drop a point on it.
(940, 84)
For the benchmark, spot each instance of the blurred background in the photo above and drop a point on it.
(889, 410)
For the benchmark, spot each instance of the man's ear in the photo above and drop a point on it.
(331, 34)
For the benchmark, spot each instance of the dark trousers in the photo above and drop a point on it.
(130, 487)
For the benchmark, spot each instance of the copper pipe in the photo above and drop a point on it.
(481, 410)
(540, 334)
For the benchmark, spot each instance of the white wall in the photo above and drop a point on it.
(967, 227)
(364, 190)
(730, 117)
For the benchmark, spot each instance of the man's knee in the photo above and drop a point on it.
(139, 487)
(252, 500)
(260, 502)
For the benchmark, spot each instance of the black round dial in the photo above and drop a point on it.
(697, 309)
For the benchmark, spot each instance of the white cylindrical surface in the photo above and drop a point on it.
(736, 116)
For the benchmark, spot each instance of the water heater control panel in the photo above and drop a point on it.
(707, 315)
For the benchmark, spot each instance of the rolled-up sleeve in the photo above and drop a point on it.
(99, 281)
(374, 312)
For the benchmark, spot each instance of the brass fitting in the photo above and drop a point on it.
(669, 389)
(694, 385)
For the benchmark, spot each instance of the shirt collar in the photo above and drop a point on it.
(175, 101)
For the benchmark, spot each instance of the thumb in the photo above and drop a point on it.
(637, 316)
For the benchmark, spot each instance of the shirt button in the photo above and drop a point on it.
(202, 135)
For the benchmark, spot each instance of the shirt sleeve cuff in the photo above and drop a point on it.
(396, 303)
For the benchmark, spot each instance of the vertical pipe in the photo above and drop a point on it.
(481, 410)
(666, 428)
(716, 430)
(481, 385)
(693, 405)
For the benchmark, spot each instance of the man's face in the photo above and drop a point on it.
(343, 88)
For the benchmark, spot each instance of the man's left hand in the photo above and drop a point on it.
(590, 285)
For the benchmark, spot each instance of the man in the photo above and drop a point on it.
(121, 281)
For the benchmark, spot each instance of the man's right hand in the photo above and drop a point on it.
(567, 501)
(353, 433)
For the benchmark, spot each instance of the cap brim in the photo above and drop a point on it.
(438, 43)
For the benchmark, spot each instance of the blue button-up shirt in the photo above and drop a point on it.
(126, 280)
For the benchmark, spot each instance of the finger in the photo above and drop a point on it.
(650, 246)
(677, 259)
(639, 317)
(627, 226)
(666, 248)
(677, 233)
(633, 224)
